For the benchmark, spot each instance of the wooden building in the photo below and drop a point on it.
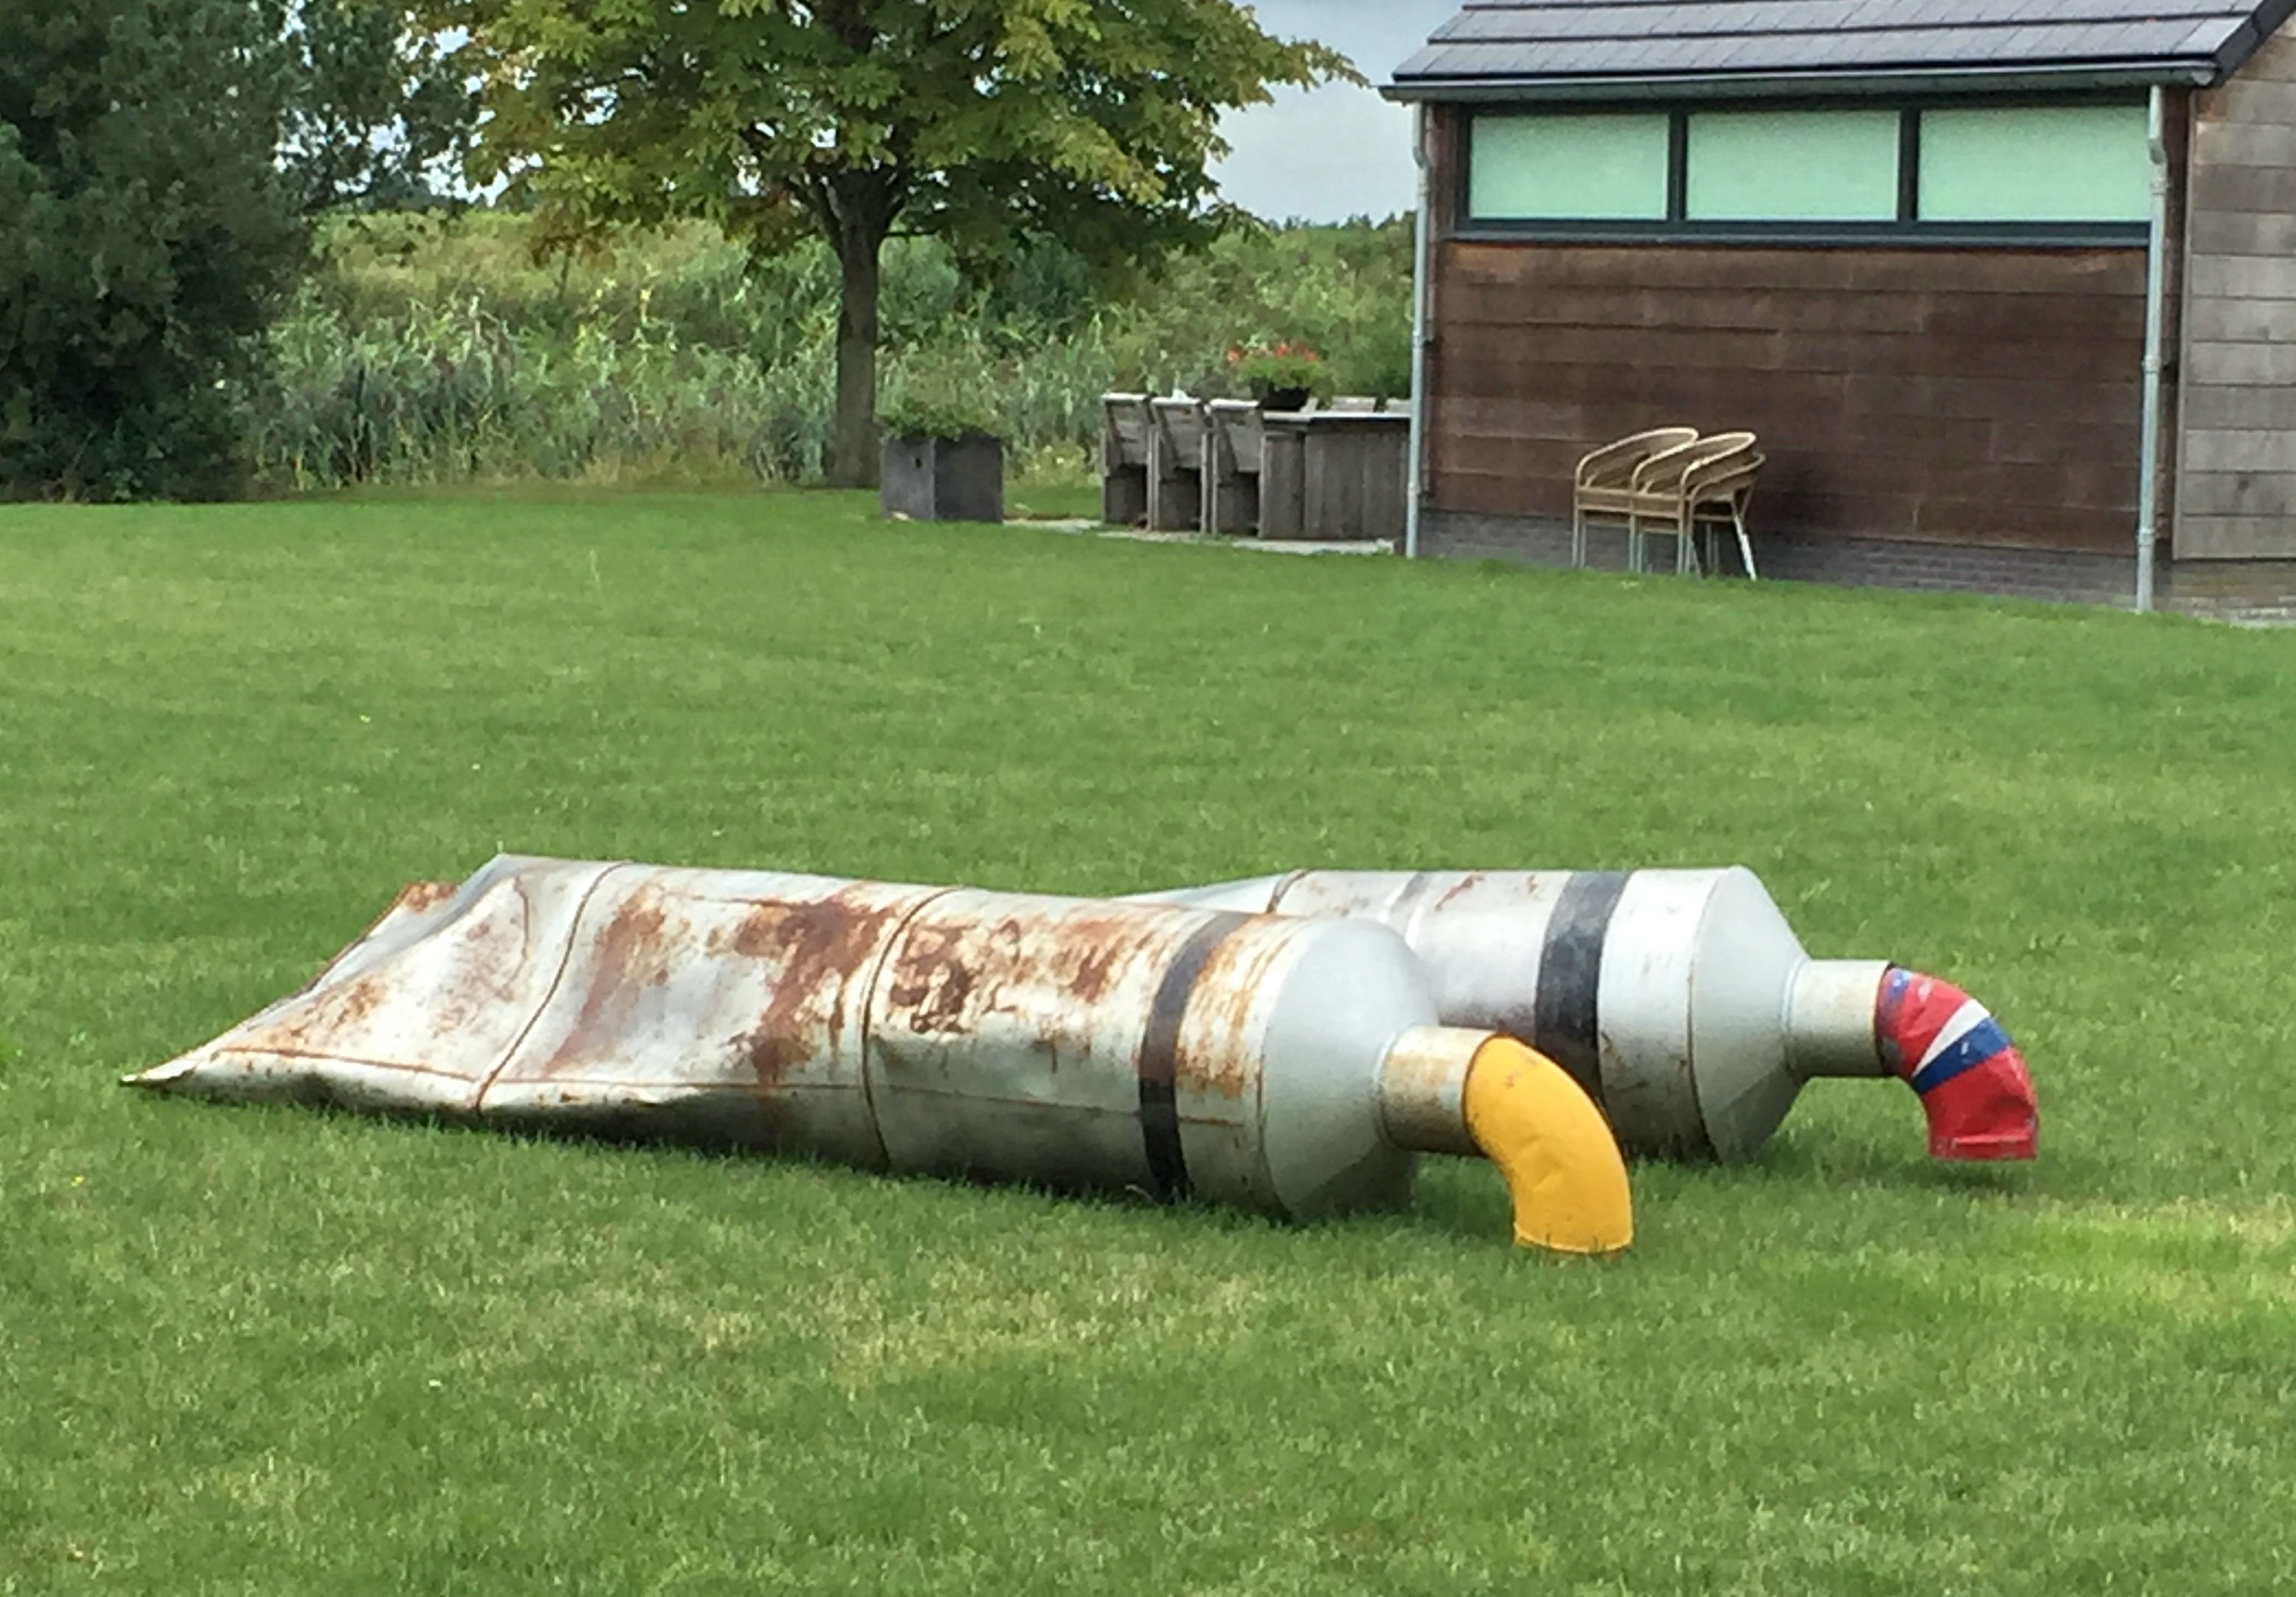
(1921, 247)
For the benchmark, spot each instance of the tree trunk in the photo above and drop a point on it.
(853, 429)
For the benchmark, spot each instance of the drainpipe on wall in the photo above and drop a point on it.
(2148, 447)
(1422, 249)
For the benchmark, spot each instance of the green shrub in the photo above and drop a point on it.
(145, 238)
(431, 350)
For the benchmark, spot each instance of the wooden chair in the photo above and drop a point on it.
(1705, 479)
(1234, 451)
(1124, 427)
(1175, 463)
(1604, 484)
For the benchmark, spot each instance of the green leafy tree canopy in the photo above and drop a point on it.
(987, 123)
(375, 116)
(148, 238)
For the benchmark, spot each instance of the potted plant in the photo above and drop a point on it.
(1281, 376)
(940, 459)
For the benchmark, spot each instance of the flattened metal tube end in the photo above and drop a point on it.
(160, 1077)
(1423, 1089)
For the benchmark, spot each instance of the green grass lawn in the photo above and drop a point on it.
(256, 1351)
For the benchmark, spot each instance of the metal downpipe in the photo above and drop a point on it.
(1422, 249)
(2148, 448)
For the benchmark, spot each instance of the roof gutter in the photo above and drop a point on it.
(1723, 86)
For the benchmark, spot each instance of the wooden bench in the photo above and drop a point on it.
(1176, 464)
(1235, 448)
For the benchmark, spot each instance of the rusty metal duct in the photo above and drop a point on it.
(1290, 1065)
(1679, 1000)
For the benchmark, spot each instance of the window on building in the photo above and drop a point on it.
(1792, 166)
(1605, 167)
(2048, 169)
(2034, 163)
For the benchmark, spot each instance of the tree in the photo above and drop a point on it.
(148, 238)
(987, 123)
(376, 119)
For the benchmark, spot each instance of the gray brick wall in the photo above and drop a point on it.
(2232, 589)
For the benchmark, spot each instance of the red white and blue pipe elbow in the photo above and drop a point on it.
(1950, 1050)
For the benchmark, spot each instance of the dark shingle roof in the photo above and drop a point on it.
(1621, 47)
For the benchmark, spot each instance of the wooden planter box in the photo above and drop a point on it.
(942, 479)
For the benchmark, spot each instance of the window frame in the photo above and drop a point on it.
(1677, 227)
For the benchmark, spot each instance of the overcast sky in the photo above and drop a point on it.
(1335, 152)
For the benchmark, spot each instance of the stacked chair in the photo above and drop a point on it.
(1670, 481)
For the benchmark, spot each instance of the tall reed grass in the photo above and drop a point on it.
(424, 350)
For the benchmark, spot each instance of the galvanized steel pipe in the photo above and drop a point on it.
(1290, 1065)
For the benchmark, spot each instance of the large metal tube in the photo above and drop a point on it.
(1680, 1001)
(1289, 1066)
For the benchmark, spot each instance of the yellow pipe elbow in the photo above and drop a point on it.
(1564, 1173)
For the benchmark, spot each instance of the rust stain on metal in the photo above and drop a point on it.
(1214, 1056)
(1087, 954)
(1094, 969)
(316, 1025)
(632, 953)
(331, 1016)
(819, 948)
(931, 980)
(417, 898)
(1466, 885)
(1421, 1075)
(951, 974)
(484, 985)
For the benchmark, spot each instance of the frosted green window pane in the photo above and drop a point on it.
(1793, 166)
(1569, 168)
(2039, 163)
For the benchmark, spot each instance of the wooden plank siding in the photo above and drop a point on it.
(1985, 396)
(2236, 448)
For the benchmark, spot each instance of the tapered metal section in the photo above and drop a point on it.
(1680, 1001)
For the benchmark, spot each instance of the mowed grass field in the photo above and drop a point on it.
(259, 1351)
